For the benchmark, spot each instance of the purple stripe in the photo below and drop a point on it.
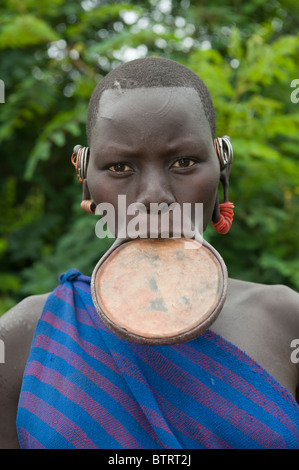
(154, 418)
(190, 427)
(56, 420)
(242, 356)
(104, 384)
(73, 333)
(237, 382)
(206, 396)
(27, 441)
(67, 296)
(129, 368)
(78, 396)
(84, 286)
(207, 438)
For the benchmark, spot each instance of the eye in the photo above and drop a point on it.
(184, 163)
(120, 168)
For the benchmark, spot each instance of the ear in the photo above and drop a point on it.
(87, 204)
(216, 212)
(224, 178)
(80, 159)
(85, 190)
(223, 214)
(224, 151)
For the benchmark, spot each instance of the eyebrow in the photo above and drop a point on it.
(184, 145)
(191, 144)
(117, 150)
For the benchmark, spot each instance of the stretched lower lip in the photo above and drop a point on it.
(158, 226)
(145, 278)
(131, 222)
(161, 226)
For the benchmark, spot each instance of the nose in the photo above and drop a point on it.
(155, 188)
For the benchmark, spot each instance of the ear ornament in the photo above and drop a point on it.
(80, 159)
(224, 151)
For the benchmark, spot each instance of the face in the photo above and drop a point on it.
(153, 145)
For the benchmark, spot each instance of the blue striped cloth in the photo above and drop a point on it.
(84, 387)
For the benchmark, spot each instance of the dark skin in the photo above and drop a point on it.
(182, 166)
(156, 146)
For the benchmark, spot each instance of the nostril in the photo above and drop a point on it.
(139, 206)
(155, 207)
(153, 196)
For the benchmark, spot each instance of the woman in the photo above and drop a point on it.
(151, 135)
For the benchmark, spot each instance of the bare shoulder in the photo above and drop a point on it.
(250, 287)
(263, 321)
(17, 327)
(25, 313)
(277, 301)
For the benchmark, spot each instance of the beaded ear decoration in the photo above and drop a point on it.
(224, 224)
(224, 151)
(80, 159)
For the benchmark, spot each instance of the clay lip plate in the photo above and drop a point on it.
(160, 291)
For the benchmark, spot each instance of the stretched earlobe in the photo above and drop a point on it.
(223, 213)
(80, 159)
(87, 204)
(223, 225)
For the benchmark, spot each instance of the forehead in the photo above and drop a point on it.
(148, 112)
(154, 100)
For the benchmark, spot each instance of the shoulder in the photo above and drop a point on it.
(250, 287)
(24, 314)
(17, 327)
(271, 310)
(276, 299)
(263, 321)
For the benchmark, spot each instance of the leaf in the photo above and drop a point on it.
(9, 282)
(235, 44)
(26, 30)
(100, 16)
(59, 138)
(41, 151)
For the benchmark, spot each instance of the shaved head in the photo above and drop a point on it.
(147, 73)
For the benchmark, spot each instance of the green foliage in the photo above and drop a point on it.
(24, 31)
(52, 54)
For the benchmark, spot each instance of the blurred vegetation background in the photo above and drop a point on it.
(54, 52)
